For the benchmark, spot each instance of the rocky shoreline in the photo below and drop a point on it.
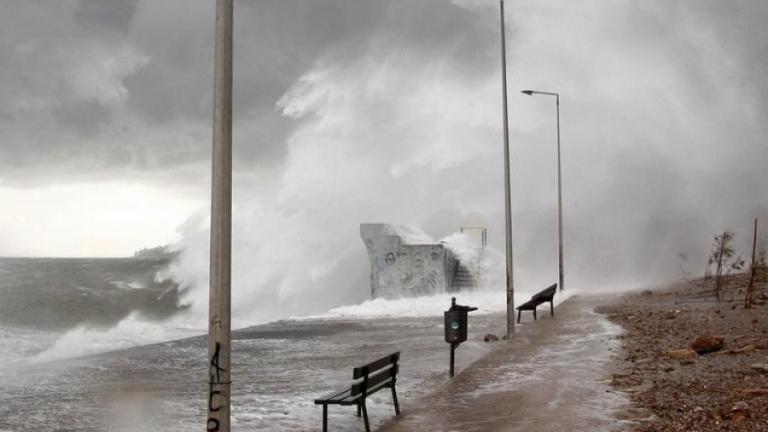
(692, 363)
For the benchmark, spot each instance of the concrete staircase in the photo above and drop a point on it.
(463, 279)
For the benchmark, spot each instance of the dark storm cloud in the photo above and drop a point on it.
(105, 15)
(161, 94)
(84, 115)
(663, 109)
(79, 74)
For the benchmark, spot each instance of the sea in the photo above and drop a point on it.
(98, 345)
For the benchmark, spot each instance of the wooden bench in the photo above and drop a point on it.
(544, 296)
(367, 380)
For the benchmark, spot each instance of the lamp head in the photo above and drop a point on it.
(528, 92)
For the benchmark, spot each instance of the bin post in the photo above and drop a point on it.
(455, 320)
(453, 348)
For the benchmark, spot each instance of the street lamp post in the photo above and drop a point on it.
(559, 185)
(220, 304)
(507, 206)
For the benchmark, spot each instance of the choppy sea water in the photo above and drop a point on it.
(91, 345)
(277, 371)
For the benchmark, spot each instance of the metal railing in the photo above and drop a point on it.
(483, 242)
(483, 233)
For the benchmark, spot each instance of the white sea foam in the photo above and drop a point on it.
(136, 330)
(131, 285)
(486, 301)
(467, 249)
(297, 248)
(132, 331)
(23, 342)
(410, 235)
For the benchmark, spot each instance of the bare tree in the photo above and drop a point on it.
(724, 258)
(752, 269)
(761, 266)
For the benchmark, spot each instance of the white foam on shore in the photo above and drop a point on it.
(25, 342)
(468, 250)
(128, 285)
(486, 301)
(435, 305)
(132, 331)
(135, 330)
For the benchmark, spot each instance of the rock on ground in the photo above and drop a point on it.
(695, 363)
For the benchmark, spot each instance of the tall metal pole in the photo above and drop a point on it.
(559, 200)
(561, 271)
(507, 205)
(219, 325)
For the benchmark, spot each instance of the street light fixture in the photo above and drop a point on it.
(559, 184)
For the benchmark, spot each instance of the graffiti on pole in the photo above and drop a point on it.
(215, 372)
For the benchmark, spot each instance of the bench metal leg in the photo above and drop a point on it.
(325, 417)
(519, 312)
(552, 308)
(358, 410)
(534, 314)
(394, 398)
(365, 418)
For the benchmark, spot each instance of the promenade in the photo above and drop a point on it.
(551, 377)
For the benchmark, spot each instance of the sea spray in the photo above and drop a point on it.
(296, 246)
(133, 330)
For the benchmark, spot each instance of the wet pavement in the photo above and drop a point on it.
(551, 377)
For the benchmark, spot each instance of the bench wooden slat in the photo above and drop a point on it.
(374, 380)
(375, 365)
(374, 389)
(332, 397)
(546, 294)
(355, 399)
(541, 297)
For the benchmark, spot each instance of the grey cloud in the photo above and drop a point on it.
(46, 123)
(160, 94)
(105, 15)
(276, 43)
(663, 111)
(83, 115)
(471, 37)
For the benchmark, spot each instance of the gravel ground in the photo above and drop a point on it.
(676, 389)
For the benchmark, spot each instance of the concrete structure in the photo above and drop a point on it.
(405, 262)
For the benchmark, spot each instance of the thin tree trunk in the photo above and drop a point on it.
(719, 271)
(752, 268)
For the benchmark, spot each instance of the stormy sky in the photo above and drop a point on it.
(350, 111)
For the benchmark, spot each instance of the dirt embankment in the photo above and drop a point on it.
(693, 363)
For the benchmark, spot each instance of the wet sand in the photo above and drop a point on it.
(551, 377)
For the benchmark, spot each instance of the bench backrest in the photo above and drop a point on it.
(547, 294)
(375, 373)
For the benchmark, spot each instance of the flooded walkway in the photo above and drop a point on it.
(550, 377)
